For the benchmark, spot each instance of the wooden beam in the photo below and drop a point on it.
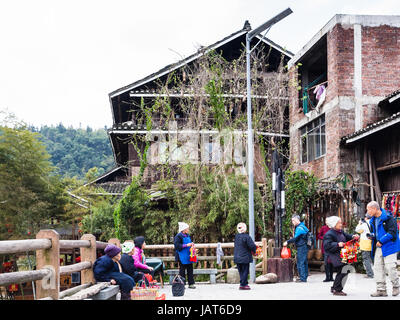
(88, 254)
(388, 167)
(76, 267)
(371, 181)
(73, 290)
(88, 292)
(22, 276)
(49, 258)
(16, 246)
(71, 244)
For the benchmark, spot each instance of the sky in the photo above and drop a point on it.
(59, 60)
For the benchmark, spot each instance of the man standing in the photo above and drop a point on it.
(300, 241)
(385, 245)
(363, 228)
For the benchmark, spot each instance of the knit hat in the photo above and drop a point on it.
(139, 241)
(332, 221)
(241, 227)
(127, 246)
(182, 226)
(112, 250)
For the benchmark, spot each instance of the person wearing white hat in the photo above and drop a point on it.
(334, 241)
(182, 244)
(242, 254)
(128, 264)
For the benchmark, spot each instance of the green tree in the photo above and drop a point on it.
(30, 193)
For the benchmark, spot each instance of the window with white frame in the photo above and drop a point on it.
(312, 140)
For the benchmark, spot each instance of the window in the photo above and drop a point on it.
(312, 140)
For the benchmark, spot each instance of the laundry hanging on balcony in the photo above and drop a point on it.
(306, 97)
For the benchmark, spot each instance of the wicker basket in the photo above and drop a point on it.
(140, 293)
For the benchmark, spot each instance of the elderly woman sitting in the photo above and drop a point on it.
(107, 269)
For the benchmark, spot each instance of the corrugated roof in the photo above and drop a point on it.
(377, 126)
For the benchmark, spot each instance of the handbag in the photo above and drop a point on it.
(193, 255)
(178, 286)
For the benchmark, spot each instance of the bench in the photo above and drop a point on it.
(109, 293)
(212, 272)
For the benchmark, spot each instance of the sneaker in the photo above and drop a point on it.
(299, 280)
(379, 293)
(339, 293)
(326, 280)
(395, 291)
(244, 288)
(192, 286)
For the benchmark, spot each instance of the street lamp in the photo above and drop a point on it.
(250, 147)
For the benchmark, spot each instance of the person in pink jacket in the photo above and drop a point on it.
(138, 256)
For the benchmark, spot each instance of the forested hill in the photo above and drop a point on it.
(75, 151)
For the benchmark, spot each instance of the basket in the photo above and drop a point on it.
(144, 293)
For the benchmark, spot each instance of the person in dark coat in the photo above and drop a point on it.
(182, 244)
(107, 269)
(242, 254)
(328, 266)
(334, 241)
(128, 264)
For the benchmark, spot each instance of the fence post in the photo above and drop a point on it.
(49, 258)
(271, 245)
(265, 255)
(88, 254)
(115, 241)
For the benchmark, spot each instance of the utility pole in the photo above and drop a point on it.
(250, 143)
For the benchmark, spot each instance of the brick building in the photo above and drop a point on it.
(354, 61)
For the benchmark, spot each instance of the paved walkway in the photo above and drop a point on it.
(357, 288)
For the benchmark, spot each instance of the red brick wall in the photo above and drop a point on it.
(380, 60)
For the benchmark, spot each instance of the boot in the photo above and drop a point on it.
(395, 291)
(125, 296)
(379, 293)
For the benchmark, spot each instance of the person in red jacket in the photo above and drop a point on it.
(328, 266)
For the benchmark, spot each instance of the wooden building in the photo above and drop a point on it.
(173, 138)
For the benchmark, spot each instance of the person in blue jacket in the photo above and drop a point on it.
(182, 244)
(107, 269)
(300, 241)
(385, 245)
(242, 254)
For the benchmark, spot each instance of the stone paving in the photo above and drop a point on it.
(357, 288)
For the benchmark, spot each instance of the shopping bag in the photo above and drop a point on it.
(285, 253)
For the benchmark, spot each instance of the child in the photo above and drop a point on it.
(138, 256)
(242, 256)
(182, 244)
(107, 269)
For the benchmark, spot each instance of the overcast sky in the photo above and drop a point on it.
(60, 59)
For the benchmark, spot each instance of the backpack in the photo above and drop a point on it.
(310, 239)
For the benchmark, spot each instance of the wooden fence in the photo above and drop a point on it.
(47, 246)
(48, 270)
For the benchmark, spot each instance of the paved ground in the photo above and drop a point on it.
(357, 288)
